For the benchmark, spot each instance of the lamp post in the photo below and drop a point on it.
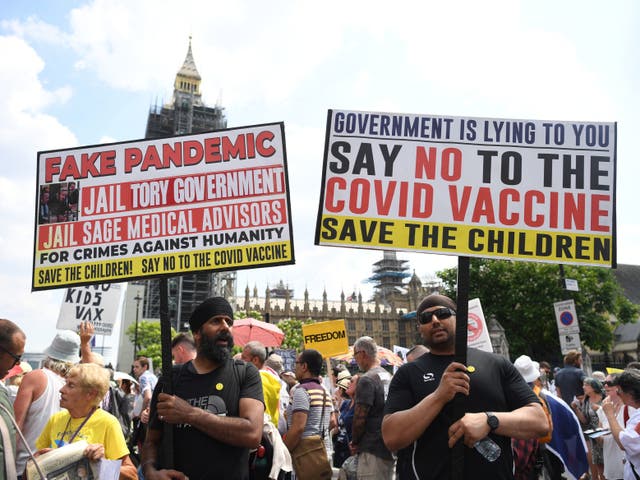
(137, 298)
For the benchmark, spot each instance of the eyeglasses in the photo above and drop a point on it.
(16, 358)
(610, 383)
(356, 353)
(440, 313)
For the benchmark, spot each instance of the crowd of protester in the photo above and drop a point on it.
(248, 417)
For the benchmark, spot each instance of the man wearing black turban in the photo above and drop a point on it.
(217, 408)
(418, 421)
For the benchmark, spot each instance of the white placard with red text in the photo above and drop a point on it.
(497, 188)
(160, 207)
(477, 331)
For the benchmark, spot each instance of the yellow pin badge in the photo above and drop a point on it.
(471, 369)
(219, 386)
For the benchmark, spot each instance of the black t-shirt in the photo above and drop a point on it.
(496, 386)
(195, 453)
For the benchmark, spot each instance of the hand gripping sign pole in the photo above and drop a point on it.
(457, 454)
(165, 335)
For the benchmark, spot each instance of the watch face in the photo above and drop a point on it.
(493, 421)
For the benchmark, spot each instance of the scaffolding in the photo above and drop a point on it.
(388, 278)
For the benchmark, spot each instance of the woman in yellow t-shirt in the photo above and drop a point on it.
(83, 419)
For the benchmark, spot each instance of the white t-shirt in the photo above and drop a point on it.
(630, 440)
(613, 454)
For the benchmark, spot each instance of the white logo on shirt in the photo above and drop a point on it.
(428, 377)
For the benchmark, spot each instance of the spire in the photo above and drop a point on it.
(186, 88)
(189, 68)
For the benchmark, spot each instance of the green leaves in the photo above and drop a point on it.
(521, 296)
(292, 329)
(149, 340)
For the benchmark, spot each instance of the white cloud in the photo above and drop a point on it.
(21, 87)
(36, 29)
(24, 129)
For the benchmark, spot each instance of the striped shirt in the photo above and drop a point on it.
(307, 397)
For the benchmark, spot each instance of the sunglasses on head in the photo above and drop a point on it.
(440, 313)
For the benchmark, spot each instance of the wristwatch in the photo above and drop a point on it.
(492, 421)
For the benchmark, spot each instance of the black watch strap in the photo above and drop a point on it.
(492, 420)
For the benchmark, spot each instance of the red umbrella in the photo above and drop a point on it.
(246, 330)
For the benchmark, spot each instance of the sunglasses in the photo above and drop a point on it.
(16, 358)
(440, 313)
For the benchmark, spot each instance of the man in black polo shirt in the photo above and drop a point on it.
(418, 421)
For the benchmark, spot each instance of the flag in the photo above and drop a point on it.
(567, 442)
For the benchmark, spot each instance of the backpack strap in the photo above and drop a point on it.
(240, 371)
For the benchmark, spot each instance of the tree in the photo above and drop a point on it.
(521, 296)
(149, 341)
(252, 314)
(292, 329)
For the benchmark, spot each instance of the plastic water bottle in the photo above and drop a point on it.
(488, 449)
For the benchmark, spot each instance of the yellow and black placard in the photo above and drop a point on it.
(329, 338)
(103, 271)
(479, 240)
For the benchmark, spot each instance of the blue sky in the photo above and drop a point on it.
(80, 73)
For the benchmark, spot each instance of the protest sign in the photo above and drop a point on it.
(497, 188)
(97, 304)
(477, 331)
(329, 338)
(162, 207)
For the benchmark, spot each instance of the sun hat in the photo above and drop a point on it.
(343, 374)
(344, 383)
(275, 362)
(529, 369)
(64, 347)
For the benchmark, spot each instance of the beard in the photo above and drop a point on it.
(441, 343)
(214, 352)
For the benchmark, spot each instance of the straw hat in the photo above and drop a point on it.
(344, 383)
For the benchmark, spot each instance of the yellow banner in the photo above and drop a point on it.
(470, 240)
(163, 264)
(329, 338)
